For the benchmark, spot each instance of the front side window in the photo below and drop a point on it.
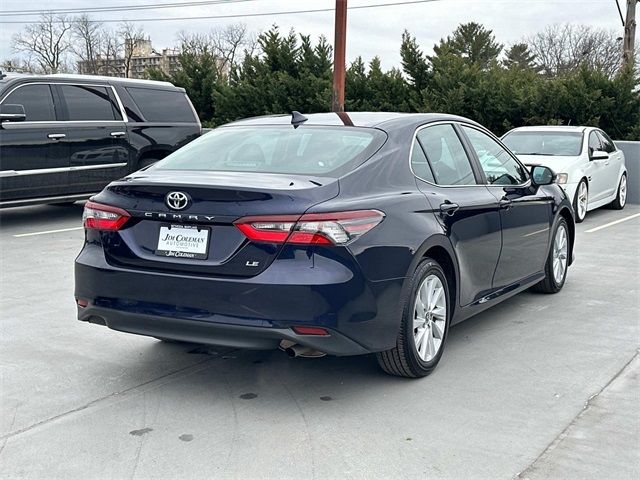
(499, 167)
(606, 142)
(89, 103)
(36, 100)
(307, 150)
(594, 143)
(446, 156)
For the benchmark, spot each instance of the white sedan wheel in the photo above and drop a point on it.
(623, 190)
(582, 200)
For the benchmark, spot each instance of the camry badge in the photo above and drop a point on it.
(177, 200)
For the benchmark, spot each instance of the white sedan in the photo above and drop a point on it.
(588, 164)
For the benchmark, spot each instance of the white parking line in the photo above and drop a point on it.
(48, 231)
(611, 224)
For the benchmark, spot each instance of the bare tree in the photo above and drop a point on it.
(228, 45)
(230, 42)
(561, 49)
(87, 43)
(18, 65)
(131, 35)
(111, 52)
(46, 42)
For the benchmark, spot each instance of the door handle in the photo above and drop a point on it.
(117, 134)
(56, 136)
(448, 208)
(505, 203)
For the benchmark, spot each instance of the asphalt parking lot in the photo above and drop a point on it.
(538, 387)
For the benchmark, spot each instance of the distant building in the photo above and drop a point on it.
(141, 57)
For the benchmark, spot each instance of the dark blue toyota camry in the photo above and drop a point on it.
(339, 234)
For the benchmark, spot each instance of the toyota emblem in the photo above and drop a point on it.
(177, 200)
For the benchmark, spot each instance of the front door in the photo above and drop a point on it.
(614, 167)
(467, 212)
(598, 177)
(525, 212)
(96, 136)
(33, 156)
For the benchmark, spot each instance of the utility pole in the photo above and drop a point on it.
(339, 58)
(628, 43)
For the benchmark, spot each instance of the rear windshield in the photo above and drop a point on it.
(162, 105)
(544, 143)
(307, 150)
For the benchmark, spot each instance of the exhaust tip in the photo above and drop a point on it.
(295, 350)
(290, 352)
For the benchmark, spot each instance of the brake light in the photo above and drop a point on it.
(336, 228)
(103, 217)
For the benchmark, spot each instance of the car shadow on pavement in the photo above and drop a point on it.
(39, 217)
(249, 373)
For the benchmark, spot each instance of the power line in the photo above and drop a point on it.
(244, 15)
(116, 8)
(620, 12)
(241, 15)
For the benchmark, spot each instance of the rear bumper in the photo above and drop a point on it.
(257, 312)
(212, 333)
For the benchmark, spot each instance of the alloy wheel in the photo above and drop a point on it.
(583, 197)
(623, 190)
(429, 317)
(560, 249)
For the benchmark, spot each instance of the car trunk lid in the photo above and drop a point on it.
(214, 201)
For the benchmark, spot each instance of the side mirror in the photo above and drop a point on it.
(599, 155)
(541, 175)
(12, 113)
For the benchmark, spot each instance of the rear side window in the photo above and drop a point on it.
(89, 103)
(419, 163)
(307, 150)
(446, 155)
(36, 100)
(162, 105)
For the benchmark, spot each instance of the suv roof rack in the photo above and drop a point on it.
(105, 78)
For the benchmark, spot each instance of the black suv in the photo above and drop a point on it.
(64, 137)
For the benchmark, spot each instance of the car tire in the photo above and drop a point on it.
(621, 197)
(581, 201)
(554, 280)
(419, 348)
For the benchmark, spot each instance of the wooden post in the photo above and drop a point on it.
(629, 35)
(339, 59)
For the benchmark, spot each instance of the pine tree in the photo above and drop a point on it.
(519, 56)
(472, 42)
(414, 62)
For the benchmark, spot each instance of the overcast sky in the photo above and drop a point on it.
(371, 32)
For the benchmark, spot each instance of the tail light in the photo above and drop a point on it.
(103, 217)
(336, 228)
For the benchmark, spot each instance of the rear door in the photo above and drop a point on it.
(525, 213)
(96, 136)
(33, 157)
(468, 213)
